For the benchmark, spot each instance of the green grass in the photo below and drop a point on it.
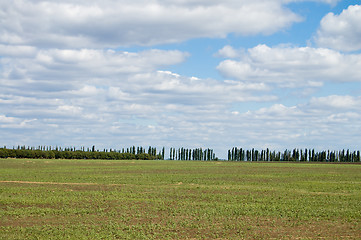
(98, 199)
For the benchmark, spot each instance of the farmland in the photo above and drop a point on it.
(137, 199)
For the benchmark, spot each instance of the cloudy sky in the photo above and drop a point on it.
(181, 73)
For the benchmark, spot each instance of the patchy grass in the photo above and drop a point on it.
(98, 199)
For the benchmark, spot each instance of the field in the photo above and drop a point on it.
(98, 199)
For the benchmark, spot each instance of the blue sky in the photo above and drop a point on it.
(186, 73)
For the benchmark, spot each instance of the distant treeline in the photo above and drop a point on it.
(150, 153)
(89, 153)
(192, 154)
(302, 155)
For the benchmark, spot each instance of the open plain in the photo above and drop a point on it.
(100, 199)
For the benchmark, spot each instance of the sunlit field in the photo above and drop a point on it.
(98, 199)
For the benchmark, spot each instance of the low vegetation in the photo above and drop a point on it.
(135, 199)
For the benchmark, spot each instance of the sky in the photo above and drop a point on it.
(278, 74)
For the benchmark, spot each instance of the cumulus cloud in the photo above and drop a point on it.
(169, 109)
(335, 102)
(341, 32)
(322, 123)
(89, 94)
(64, 69)
(63, 81)
(293, 66)
(111, 23)
(17, 51)
(228, 52)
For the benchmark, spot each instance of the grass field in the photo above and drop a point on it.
(82, 199)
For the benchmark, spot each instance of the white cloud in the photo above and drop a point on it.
(331, 2)
(111, 23)
(17, 51)
(14, 123)
(341, 32)
(69, 109)
(293, 66)
(58, 70)
(5, 119)
(90, 95)
(61, 85)
(228, 52)
(118, 62)
(330, 122)
(337, 102)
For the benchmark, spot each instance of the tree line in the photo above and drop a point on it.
(192, 154)
(82, 153)
(302, 155)
(197, 154)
